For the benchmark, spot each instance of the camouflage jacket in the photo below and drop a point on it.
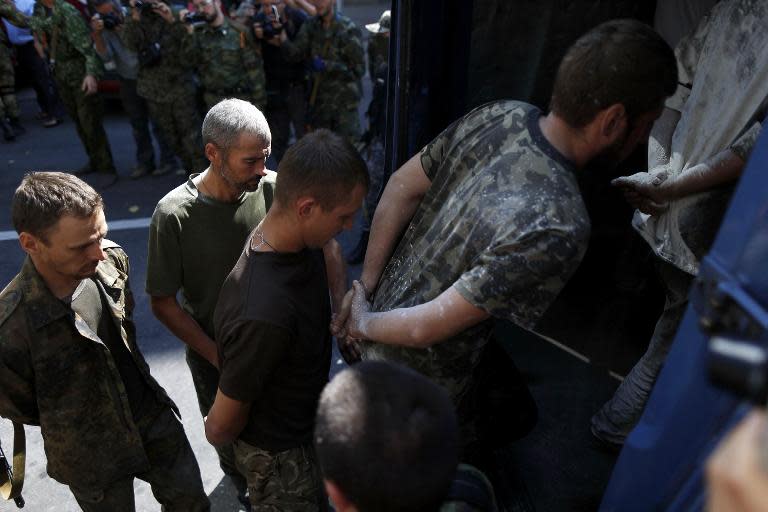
(341, 47)
(69, 43)
(10, 13)
(171, 77)
(503, 223)
(228, 62)
(378, 54)
(55, 373)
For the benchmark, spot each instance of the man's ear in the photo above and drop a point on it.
(211, 151)
(612, 122)
(305, 206)
(29, 243)
(340, 502)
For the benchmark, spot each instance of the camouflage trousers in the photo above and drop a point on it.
(345, 122)
(282, 481)
(205, 377)
(173, 472)
(8, 105)
(180, 123)
(87, 111)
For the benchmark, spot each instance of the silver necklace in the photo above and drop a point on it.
(263, 241)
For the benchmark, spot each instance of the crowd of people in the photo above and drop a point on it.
(485, 222)
(300, 62)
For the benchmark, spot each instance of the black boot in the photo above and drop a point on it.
(16, 125)
(8, 133)
(358, 253)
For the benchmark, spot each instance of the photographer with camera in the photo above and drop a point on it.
(331, 46)
(286, 81)
(76, 69)
(107, 29)
(164, 77)
(224, 54)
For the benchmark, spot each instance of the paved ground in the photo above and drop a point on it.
(129, 203)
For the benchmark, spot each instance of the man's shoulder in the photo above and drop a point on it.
(174, 202)
(10, 299)
(346, 23)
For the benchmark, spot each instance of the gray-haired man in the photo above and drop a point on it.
(197, 234)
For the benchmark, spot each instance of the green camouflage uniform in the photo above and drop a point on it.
(71, 51)
(287, 480)
(56, 373)
(503, 223)
(228, 62)
(378, 54)
(8, 104)
(339, 90)
(167, 85)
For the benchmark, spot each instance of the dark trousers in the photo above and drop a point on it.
(285, 108)
(138, 113)
(32, 65)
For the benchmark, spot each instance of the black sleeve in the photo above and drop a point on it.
(248, 354)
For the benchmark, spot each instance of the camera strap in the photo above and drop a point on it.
(11, 484)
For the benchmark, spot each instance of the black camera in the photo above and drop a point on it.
(144, 6)
(110, 20)
(267, 23)
(195, 18)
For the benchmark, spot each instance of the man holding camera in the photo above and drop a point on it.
(331, 45)
(164, 78)
(286, 81)
(107, 27)
(225, 55)
(76, 69)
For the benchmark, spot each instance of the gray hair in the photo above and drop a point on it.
(230, 118)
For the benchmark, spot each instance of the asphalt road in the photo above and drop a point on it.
(129, 204)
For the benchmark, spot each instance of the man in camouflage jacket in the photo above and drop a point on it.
(489, 217)
(76, 371)
(76, 69)
(226, 57)
(8, 105)
(165, 79)
(332, 47)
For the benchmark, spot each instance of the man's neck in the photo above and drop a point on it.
(212, 184)
(61, 287)
(568, 141)
(328, 17)
(218, 21)
(48, 3)
(280, 232)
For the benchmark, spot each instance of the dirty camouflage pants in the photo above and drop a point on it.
(281, 481)
(87, 112)
(173, 475)
(205, 377)
(8, 105)
(180, 122)
(344, 122)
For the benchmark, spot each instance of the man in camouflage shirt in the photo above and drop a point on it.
(9, 107)
(226, 57)
(69, 360)
(165, 79)
(76, 69)
(332, 47)
(489, 215)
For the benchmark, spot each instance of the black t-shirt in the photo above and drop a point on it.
(92, 305)
(274, 345)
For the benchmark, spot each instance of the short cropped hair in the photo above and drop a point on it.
(323, 165)
(230, 118)
(620, 61)
(387, 437)
(43, 198)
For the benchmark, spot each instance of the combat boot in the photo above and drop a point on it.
(8, 133)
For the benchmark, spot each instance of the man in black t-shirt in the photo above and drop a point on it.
(271, 324)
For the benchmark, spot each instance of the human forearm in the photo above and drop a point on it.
(226, 419)
(184, 327)
(660, 140)
(402, 196)
(336, 270)
(725, 167)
